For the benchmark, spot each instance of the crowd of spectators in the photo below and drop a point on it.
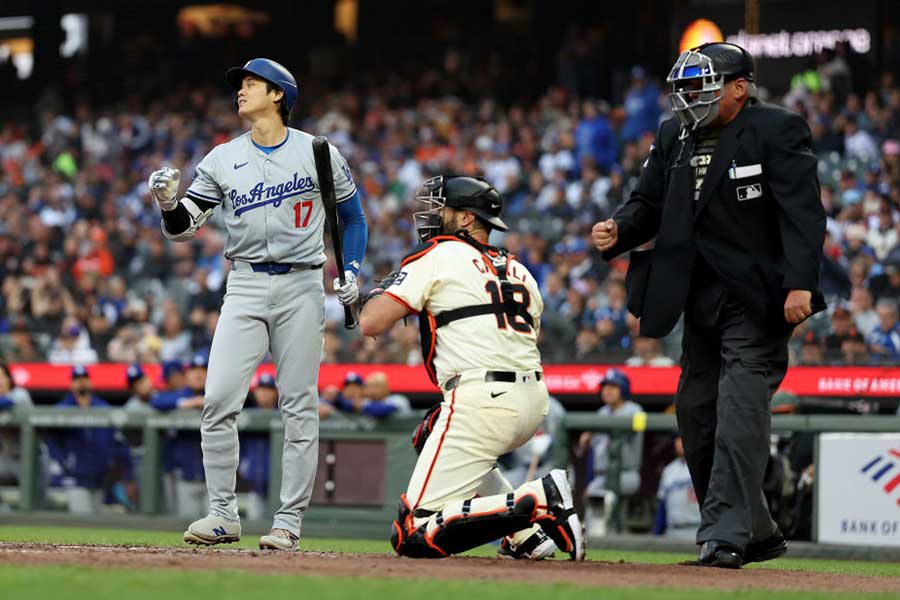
(86, 277)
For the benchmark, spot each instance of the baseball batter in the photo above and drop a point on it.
(265, 183)
(479, 312)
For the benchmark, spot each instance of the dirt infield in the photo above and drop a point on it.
(590, 573)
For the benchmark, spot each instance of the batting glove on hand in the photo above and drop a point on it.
(348, 293)
(164, 187)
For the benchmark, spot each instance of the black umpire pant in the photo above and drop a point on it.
(730, 367)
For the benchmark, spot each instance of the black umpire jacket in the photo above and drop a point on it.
(759, 222)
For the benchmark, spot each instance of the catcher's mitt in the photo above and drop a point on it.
(383, 284)
(425, 428)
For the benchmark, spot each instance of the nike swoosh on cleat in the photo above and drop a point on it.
(494, 395)
(238, 166)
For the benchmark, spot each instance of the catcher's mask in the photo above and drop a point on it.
(697, 79)
(465, 193)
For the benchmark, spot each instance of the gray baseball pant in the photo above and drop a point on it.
(283, 314)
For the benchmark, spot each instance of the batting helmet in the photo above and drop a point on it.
(619, 379)
(269, 70)
(465, 193)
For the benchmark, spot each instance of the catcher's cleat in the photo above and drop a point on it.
(279, 539)
(537, 547)
(561, 523)
(212, 530)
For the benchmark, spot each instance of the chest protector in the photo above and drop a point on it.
(503, 303)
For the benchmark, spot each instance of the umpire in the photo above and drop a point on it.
(731, 196)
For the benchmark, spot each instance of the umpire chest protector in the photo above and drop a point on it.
(504, 306)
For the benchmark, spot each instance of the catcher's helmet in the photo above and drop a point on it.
(466, 193)
(697, 79)
(269, 70)
(619, 379)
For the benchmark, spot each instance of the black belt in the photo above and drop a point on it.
(507, 376)
(273, 268)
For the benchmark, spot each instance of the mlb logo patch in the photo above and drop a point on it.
(749, 192)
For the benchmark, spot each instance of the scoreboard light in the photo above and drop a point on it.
(699, 32)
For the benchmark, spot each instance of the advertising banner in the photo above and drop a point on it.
(858, 487)
(841, 382)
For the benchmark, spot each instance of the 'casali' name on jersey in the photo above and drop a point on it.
(273, 194)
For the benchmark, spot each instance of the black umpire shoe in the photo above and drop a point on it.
(770, 548)
(719, 554)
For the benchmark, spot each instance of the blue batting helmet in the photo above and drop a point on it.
(269, 70)
(619, 379)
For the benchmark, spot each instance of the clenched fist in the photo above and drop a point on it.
(797, 306)
(604, 235)
(164, 187)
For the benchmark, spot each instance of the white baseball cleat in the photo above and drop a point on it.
(212, 530)
(279, 539)
(537, 547)
(561, 522)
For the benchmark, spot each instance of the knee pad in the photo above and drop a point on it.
(409, 540)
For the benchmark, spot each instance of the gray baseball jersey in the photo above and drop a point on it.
(632, 443)
(270, 202)
(677, 491)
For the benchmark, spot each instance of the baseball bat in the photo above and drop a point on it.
(322, 155)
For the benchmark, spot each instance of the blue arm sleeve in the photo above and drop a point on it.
(165, 401)
(356, 232)
(6, 403)
(659, 523)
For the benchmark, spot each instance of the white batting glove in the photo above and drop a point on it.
(348, 294)
(164, 187)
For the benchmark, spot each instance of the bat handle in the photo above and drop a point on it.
(349, 318)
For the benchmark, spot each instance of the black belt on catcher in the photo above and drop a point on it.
(506, 376)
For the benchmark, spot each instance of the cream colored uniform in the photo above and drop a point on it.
(479, 420)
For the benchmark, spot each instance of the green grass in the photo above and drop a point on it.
(76, 535)
(75, 583)
(82, 583)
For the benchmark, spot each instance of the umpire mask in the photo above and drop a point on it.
(696, 90)
(697, 79)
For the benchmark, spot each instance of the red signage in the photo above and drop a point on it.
(560, 379)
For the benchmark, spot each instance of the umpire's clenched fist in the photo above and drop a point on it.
(604, 235)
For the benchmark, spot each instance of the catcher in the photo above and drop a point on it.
(479, 314)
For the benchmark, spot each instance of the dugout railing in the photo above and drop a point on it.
(666, 423)
(364, 464)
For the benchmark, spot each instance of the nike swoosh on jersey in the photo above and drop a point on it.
(238, 166)
(495, 394)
